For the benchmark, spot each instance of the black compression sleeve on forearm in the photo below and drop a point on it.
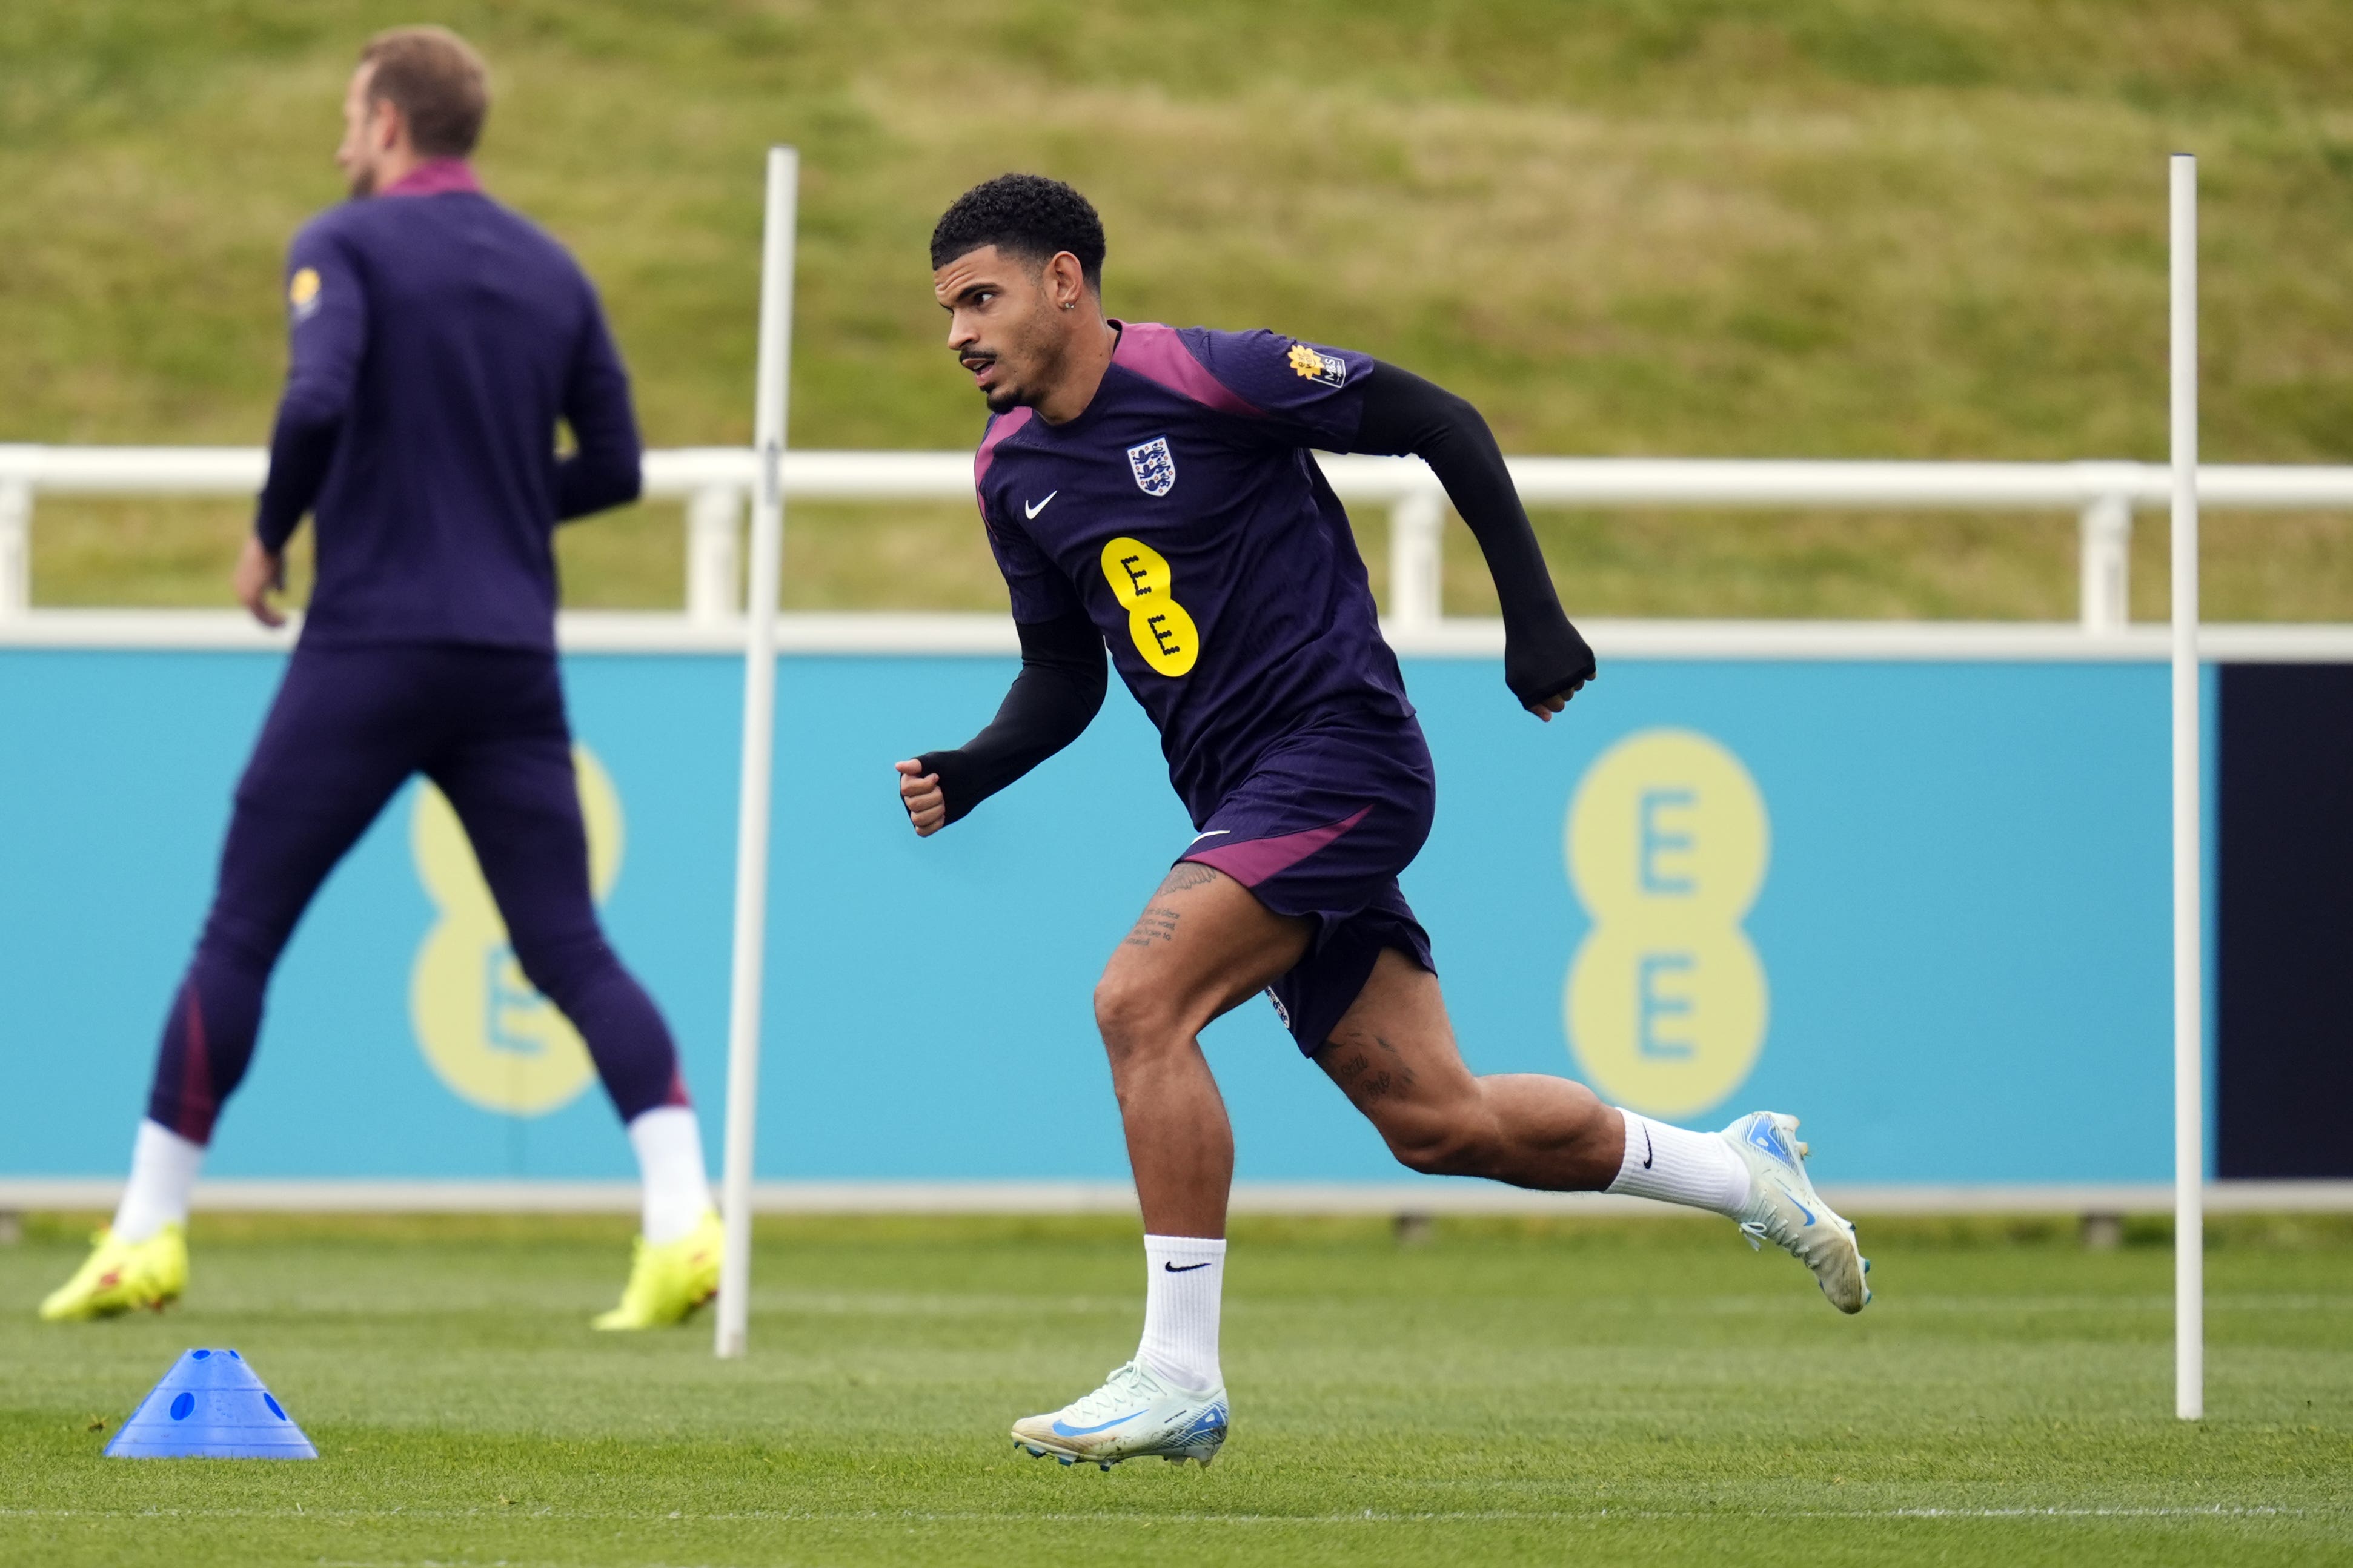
(1054, 698)
(1543, 654)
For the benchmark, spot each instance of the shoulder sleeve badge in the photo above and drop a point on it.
(302, 293)
(1311, 365)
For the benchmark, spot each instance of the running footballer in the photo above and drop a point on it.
(1152, 489)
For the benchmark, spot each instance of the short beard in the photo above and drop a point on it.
(363, 184)
(1044, 371)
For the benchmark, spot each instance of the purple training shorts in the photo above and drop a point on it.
(1321, 829)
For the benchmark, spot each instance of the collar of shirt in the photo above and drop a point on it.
(436, 176)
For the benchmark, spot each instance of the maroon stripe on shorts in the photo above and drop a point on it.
(1253, 861)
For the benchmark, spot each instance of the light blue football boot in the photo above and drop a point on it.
(1133, 1415)
(1784, 1209)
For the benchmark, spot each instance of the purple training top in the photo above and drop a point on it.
(1183, 513)
(437, 338)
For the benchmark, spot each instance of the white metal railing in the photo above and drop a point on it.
(713, 482)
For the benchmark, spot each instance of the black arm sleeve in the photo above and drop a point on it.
(1543, 654)
(1054, 698)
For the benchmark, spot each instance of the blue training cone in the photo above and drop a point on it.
(210, 1405)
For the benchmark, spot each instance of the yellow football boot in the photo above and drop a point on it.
(121, 1275)
(670, 1282)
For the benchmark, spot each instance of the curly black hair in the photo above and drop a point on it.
(1027, 216)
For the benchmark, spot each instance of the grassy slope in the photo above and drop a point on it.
(1510, 1393)
(1922, 229)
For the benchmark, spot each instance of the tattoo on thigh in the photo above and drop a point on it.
(1186, 874)
(1360, 1079)
(1157, 923)
(1405, 1073)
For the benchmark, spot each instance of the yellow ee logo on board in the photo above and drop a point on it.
(1163, 634)
(1667, 844)
(485, 1031)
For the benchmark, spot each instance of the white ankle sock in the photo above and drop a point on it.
(669, 1142)
(1697, 1168)
(163, 1173)
(1186, 1276)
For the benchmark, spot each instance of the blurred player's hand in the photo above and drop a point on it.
(1544, 707)
(920, 792)
(259, 574)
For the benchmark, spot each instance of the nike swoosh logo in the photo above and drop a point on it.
(1032, 511)
(1213, 833)
(1187, 1269)
(1062, 1431)
(1649, 1153)
(1801, 1208)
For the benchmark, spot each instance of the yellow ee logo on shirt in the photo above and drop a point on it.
(486, 1032)
(1667, 844)
(302, 293)
(1163, 634)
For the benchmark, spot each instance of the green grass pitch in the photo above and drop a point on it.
(1600, 1391)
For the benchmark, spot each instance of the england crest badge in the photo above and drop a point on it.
(1154, 467)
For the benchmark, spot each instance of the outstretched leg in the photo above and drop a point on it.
(1393, 1054)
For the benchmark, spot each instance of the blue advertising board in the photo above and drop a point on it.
(1923, 905)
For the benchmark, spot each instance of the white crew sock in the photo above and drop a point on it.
(669, 1142)
(163, 1173)
(1186, 1276)
(1679, 1166)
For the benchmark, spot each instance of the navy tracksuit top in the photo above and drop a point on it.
(437, 339)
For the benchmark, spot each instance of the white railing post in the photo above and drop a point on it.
(2189, 848)
(772, 380)
(2105, 548)
(714, 577)
(15, 548)
(1417, 523)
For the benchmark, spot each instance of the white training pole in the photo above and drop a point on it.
(775, 359)
(2189, 912)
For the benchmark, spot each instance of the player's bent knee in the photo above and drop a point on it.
(1135, 1018)
(1125, 1012)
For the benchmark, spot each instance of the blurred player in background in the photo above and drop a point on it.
(437, 339)
(1153, 489)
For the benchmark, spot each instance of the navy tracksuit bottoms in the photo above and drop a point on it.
(350, 725)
